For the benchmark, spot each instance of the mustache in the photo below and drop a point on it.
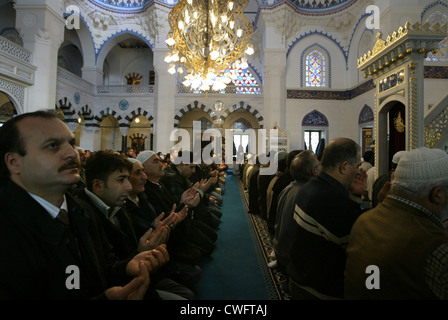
(69, 165)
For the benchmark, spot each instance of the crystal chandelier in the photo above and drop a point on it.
(206, 38)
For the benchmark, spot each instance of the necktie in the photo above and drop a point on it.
(63, 217)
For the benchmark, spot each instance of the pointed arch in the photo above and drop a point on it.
(139, 112)
(366, 115)
(189, 107)
(315, 119)
(247, 107)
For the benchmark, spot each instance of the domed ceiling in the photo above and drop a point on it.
(305, 6)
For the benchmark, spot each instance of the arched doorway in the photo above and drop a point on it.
(391, 132)
(139, 136)
(187, 122)
(244, 126)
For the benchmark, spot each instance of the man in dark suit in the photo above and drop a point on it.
(177, 180)
(194, 238)
(42, 257)
(108, 187)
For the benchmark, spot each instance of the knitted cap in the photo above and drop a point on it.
(422, 165)
(397, 156)
(145, 155)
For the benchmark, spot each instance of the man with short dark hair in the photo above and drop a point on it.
(108, 187)
(324, 214)
(44, 231)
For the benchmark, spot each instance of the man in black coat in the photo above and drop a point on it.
(42, 257)
(176, 180)
(194, 239)
(108, 187)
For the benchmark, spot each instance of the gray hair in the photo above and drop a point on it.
(416, 190)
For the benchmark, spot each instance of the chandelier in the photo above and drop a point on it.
(206, 38)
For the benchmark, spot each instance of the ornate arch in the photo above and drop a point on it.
(139, 112)
(315, 119)
(109, 112)
(87, 114)
(249, 108)
(366, 115)
(190, 107)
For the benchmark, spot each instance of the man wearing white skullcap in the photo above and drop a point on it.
(399, 250)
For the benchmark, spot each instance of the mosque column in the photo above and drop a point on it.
(41, 25)
(274, 84)
(91, 138)
(165, 101)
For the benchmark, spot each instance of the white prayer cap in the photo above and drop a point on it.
(397, 156)
(422, 165)
(145, 155)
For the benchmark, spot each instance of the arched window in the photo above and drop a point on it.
(315, 130)
(315, 69)
(315, 66)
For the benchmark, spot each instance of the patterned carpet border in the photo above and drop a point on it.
(261, 233)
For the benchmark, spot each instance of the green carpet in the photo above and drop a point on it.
(236, 269)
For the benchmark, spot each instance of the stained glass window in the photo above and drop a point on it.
(315, 69)
(442, 53)
(245, 82)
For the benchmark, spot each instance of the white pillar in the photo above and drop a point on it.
(274, 86)
(41, 26)
(165, 101)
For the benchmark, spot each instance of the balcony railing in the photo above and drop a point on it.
(14, 50)
(246, 90)
(127, 89)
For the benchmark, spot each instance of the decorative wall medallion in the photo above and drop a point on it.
(77, 97)
(124, 105)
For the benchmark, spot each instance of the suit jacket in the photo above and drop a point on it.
(36, 250)
(142, 214)
(123, 238)
(175, 182)
(159, 197)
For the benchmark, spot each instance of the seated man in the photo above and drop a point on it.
(399, 249)
(39, 165)
(153, 227)
(108, 187)
(304, 166)
(176, 180)
(324, 214)
(194, 239)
